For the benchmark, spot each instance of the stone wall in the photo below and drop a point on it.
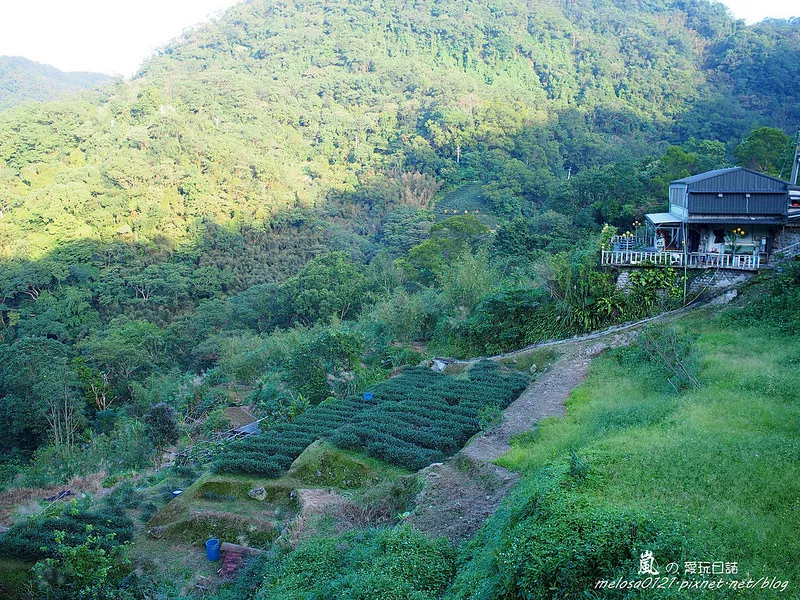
(624, 280)
(699, 279)
(715, 279)
(789, 236)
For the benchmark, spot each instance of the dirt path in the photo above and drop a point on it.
(543, 398)
(459, 495)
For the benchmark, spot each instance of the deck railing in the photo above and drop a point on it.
(694, 260)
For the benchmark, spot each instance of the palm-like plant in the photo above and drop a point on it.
(733, 236)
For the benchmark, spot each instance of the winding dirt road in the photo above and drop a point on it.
(459, 495)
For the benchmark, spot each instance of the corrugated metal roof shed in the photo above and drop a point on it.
(735, 179)
(736, 192)
(249, 429)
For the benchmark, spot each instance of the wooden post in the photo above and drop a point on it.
(685, 266)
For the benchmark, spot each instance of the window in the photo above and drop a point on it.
(719, 236)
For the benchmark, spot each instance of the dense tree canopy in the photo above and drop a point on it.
(284, 199)
(23, 80)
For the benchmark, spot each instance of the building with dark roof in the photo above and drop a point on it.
(727, 218)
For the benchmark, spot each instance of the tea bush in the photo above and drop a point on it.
(34, 538)
(413, 420)
(272, 453)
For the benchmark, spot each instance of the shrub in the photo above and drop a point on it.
(673, 352)
(216, 421)
(407, 317)
(489, 417)
(391, 564)
(507, 320)
(34, 538)
(162, 425)
(92, 568)
(328, 356)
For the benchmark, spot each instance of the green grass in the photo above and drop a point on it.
(541, 357)
(14, 577)
(388, 564)
(176, 567)
(324, 465)
(214, 493)
(218, 505)
(466, 198)
(711, 474)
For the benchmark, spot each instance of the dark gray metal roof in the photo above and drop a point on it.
(706, 175)
(722, 220)
(250, 428)
(735, 179)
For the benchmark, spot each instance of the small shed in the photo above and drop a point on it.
(242, 420)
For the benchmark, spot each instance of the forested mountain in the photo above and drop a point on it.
(22, 79)
(286, 205)
(288, 130)
(286, 105)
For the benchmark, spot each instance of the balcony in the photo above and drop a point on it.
(668, 258)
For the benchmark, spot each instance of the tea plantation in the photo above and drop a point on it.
(413, 420)
(33, 538)
(271, 453)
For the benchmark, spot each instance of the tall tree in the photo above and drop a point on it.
(768, 150)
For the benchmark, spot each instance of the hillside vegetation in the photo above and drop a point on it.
(302, 202)
(706, 475)
(22, 80)
(701, 475)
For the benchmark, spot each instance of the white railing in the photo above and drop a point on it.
(788, 252)
(626, 241)
(694, 260)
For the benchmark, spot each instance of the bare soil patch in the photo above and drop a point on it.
(32, 498)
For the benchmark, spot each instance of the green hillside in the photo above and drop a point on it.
(22, 79)
(303, 202)
(705, 475)
(285, 106)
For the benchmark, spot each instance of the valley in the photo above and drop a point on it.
(451, 300)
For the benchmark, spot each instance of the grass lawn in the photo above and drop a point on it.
(711, 474)
(466, 198)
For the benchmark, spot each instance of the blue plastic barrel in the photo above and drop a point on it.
(212, 549)
(367, 395)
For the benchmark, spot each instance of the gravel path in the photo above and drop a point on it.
(543, 398)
